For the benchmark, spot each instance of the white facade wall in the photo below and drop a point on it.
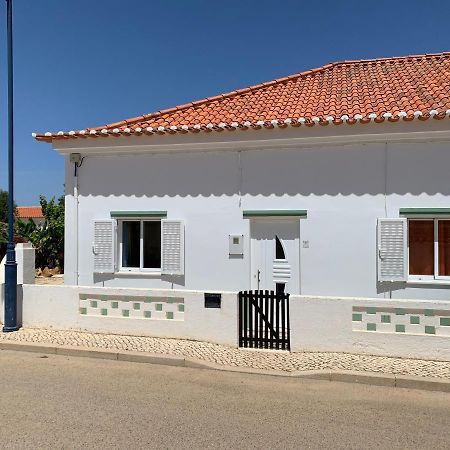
(344, 187)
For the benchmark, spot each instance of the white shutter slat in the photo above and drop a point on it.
(172, 247)
(103, 247)
(392, 250)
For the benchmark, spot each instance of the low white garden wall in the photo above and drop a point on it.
(141, 312)
(405, 328)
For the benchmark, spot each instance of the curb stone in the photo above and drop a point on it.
(346, 376)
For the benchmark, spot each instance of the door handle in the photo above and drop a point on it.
(259, 277)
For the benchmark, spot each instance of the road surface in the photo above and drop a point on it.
(68, 402)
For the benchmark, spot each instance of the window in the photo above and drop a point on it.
(279, 250)
(140, 244)
(429, 248)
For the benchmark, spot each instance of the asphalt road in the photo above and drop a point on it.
(68, 402)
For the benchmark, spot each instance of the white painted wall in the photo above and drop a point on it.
(317, 323)
(25, 258)
(325, 324)
(50, 306)
(345, 187)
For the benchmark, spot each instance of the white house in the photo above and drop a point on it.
(334, 181)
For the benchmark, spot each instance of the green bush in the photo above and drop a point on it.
(48, 237)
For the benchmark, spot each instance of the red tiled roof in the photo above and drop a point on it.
(29, 212)
(376, 90)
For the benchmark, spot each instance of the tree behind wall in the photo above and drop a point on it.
(3, 222)
(47, 238)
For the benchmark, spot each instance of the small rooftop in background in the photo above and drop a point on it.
(29, 212)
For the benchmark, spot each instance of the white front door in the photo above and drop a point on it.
(275, 255)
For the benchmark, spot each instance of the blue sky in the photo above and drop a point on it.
(82, 63)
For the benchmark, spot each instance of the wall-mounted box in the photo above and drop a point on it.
(212, 300)
(236, 245)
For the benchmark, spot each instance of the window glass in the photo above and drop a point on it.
(421, 247)
(444, 247)
(152, 245)
(279, 250)
(131, 244)
(279, 288)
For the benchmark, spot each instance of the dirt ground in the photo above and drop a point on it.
(56, 279)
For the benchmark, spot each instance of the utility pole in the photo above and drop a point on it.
(10, 322)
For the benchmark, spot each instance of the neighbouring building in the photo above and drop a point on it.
(333, 181)
(26, 213)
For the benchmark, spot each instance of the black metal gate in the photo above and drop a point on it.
(264, 320)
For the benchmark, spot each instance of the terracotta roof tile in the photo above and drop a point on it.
(348, 88)
(29, 212)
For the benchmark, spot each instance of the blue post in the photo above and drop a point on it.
(10, 323)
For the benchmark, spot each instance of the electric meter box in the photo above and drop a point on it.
(236, 244)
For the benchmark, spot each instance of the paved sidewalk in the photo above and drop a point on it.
(234, 357)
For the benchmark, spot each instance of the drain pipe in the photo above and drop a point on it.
(77, 161)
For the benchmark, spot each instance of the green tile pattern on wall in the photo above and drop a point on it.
(386, 319)
(131, 307)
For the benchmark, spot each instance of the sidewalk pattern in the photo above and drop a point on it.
(234, 357)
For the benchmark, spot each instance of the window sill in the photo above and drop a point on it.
(138, 274)
(429, 282)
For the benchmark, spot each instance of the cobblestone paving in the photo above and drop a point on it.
(219, 354)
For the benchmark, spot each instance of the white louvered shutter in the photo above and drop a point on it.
(103, 246)
(392, 250)
(172, 247)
